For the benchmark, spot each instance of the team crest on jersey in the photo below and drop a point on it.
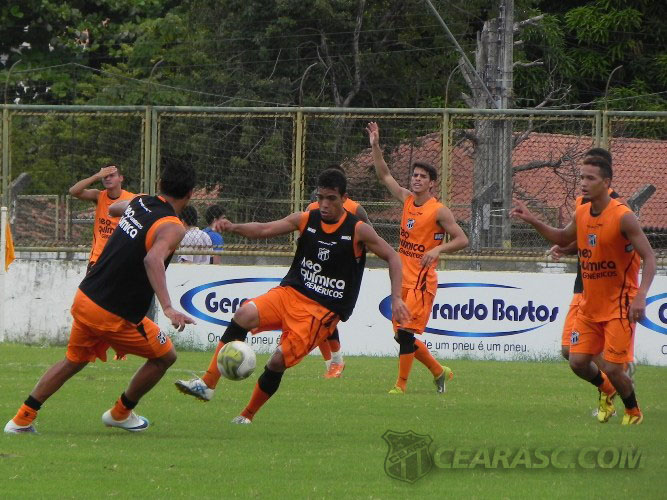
(438, 236)
(323, 254)
(410, 224)
(574, 337)
(629, 248)
(161, 338)
(592, 240)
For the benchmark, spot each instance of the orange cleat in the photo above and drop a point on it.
(335, 370)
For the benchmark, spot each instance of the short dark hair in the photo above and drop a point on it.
(212, 213)
(602, 163)
(177, 179)
(335, 166)
(332, 178)
(600, 152)
(432, 172)
(189, 215)
(113, 165)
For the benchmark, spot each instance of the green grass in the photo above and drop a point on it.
(319, 438)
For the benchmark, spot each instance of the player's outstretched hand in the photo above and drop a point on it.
(556, 252)
(104, 171)
(222, 226)
(373, 133)
(178, 319)
(520, 211)
(400, 311)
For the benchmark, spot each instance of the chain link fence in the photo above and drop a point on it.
(260, 164)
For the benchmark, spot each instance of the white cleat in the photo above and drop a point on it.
(195, 387)
(241, 420)
(13, 428)
(133, 423)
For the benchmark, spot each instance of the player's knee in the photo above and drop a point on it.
(276, 362)
(269, 381)
(406, 342)
(167, 360)
(247, 316)
(578, 364)
(565, 351)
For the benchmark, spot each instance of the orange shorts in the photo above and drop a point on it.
(568, 327)
(95, 329)
(420, 305)
(304, 323)
(615, 339)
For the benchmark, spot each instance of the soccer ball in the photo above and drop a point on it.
(236, 360)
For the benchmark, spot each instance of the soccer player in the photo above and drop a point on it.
(213, 214)
(194, 237)
(610, 243)
(422, 239)
(330, 348)
(110, 305)
(104, 223)
(319, 290)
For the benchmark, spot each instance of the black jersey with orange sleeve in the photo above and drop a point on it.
(327, 265)
(118, 281)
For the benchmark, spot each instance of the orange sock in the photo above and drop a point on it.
(425, 357)
(334, 345)
(630, 411)
(120, 411)
(258, 398)
(606, 386)
(25, 415)
(212, 375)
(404, 367)
(325, 350)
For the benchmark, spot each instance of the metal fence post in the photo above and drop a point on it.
(597, 124)
(146, 151)
(605, 130)
(444, 170)
(3, 239)
(297, 164)
(5, 157)
(154, 153)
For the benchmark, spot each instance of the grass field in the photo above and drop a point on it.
(321, 438)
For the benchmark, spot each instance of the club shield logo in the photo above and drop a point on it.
(408, 457)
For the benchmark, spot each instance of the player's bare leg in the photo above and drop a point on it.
(266, 386)
(625, 388)
(585, 368)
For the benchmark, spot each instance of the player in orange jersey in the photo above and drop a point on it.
(424, 224)
(610, 242)
(319, 290)
(110, 305)
(104, 224)
(330, 348)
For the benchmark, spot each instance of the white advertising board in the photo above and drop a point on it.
(480, 315)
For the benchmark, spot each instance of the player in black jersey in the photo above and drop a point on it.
(319, 290)
(111, 303)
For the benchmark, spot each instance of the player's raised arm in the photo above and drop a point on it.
(166, 241)
(381, 168)
(561, 237)
(632, 230)
(80, 189)
(258, 230)
(366, 234)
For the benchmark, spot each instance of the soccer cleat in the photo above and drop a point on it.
(195, 387)
(632, 418)
(447, 374)
(14, 428)
(335, 370)
(606, 408)
(241, 420)
(396, 390)
(133, 423)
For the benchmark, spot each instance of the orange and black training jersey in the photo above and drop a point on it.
(349, 205)
(609, 263)
(328, 266)
(118, 281)
(420, 232)
(104, 223)
(578, 283)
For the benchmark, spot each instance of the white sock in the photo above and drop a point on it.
(327, 363)
(337, 357)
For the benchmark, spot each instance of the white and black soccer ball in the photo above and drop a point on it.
(236, 360)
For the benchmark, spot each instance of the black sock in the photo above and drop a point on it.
(33, 403)
(269, 381)
(597, 381)
(631, 401)
(127, 403)
(234, 332)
